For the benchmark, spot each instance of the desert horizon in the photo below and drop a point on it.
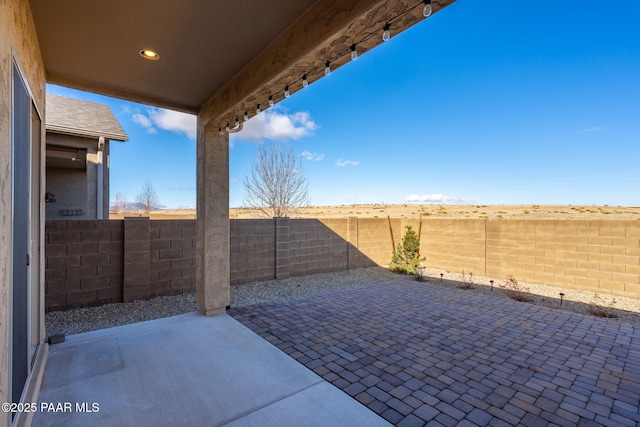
(409, 210)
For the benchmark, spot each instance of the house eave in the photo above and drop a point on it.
(86, 133)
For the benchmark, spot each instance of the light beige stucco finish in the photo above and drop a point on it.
(212, 224)
(77, 188)
(19, 40)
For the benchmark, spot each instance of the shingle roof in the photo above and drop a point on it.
(82, 118)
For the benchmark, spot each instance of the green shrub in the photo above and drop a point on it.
(406, 258)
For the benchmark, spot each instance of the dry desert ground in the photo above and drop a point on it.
(410, 210)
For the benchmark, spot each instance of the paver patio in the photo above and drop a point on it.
(419, 354)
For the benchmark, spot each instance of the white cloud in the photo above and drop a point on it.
(433, 198)
(592, 129)
(343, 163)
(274, 124)
(271, 124)
(312, 156)
(173, 121)
(142, 120)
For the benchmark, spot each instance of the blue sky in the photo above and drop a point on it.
(501, 102)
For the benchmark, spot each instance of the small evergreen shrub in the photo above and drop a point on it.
(406, 258)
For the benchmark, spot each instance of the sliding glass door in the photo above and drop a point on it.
(20, 157)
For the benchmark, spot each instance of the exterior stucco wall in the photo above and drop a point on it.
(76, 189)
(17, 39)
(70, 189)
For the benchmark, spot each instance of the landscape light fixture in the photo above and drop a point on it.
(561, 297)
(427, 8)
(149, 54)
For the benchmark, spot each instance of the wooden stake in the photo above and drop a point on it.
(419, 231)
(393, 243)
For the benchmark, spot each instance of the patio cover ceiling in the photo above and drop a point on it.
(217, 58)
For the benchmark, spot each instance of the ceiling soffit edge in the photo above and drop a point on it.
(118, 93)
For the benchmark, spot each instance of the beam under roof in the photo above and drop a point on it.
(325, 31)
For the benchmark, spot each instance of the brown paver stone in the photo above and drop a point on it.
(421, 354)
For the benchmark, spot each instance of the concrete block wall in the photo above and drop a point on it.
(84, 263)
(172, 268)
(283, 248)
(454, 244)
(599, 256)
(95, 262)
(252, 250)
(351, 230)
(374, 238)
(136, 259)
(450, 244)
(266, 249)
(317, 246)
(89, 262)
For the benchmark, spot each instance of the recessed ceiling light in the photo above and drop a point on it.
(149, 54)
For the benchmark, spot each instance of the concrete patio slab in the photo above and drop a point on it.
(186, 370)
(420, 354)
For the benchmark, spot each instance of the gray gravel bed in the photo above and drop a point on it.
(107, 316)
(622, 309)
(117, 314)
(274, 290)
(110, 315)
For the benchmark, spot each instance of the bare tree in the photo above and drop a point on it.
(121, 203)
(147, 198)
(278, 185)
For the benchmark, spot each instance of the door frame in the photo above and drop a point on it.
(35, 292)
(34, 240)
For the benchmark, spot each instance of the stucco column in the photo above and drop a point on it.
(212, 236)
